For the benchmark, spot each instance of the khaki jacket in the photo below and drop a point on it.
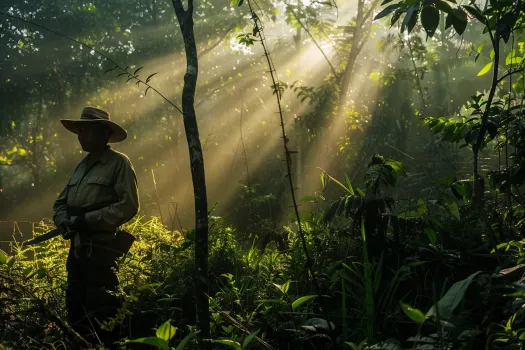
(108, 179)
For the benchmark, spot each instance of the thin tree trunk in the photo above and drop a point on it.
(362, 29)
(185, 18)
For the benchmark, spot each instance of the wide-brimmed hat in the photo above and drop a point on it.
(95, 115)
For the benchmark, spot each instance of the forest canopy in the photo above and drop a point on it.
(341, 174)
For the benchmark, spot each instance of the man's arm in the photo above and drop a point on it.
(116, 214)
(60, 208)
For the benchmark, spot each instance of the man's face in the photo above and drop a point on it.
(92, 136)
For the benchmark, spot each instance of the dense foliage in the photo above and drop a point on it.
(410, 166)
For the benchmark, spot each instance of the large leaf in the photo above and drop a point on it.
(458, 19)
(166, 331)
(430, 19)
(3, 257)
(485, 69)
(386, 11)
(186, 340)
(414, 314)
(301, 301)
(452, 298)
(410, 19)
(249, 338)
(230, 343)
(154, 341)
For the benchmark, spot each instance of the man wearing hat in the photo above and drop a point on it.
(101, 195)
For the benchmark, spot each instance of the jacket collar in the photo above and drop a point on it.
(103, 158)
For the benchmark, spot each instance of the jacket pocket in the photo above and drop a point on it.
(99, 180)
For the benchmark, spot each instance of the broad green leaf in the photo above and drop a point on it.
(233, 2)
(443, 6)
(453, 207)
(421, 206)
(410, 19)
(485, 69)
(230, 343)
(414, 314)
(349, 185)
(512, 59)
(430, 19)
(166, 331)
(249, 338)
(386, 11)
(431, 234)
(452, 298)
(285, 287)
(459, 20)
(153, 341)
(186, 340)
(3, 257)
(301, 301)
(409, 215)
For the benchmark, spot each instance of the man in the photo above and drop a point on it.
(101, 195)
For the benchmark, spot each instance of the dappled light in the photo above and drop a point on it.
(296, 174)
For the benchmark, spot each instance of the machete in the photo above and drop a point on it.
(42, 238)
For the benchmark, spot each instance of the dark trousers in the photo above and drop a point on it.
(88, 298)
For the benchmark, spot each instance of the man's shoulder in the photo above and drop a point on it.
(119, 157)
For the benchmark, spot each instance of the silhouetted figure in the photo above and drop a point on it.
(101, 195)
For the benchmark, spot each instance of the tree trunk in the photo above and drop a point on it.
(359, 39)
(185, 18)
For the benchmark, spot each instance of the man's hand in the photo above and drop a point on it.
(65, 230)
(78, 223)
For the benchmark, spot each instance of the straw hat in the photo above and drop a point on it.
(95, 115)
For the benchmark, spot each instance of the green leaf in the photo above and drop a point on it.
(421, 206)
(430, 19)
(431, 234)
(454, 210)
(459, 19)
(512, 59)
(186, 340)
(452, 298)
(301, 301)
(230, 343)
(249, 338)
(414, 314)
(349, 185)
(386, 11)
(233, 2)
(166, 331)
(443, 6)
(240, 3)
(485, 69)
(153, 341)
(3, 257)
(410, 19)
(285, 287)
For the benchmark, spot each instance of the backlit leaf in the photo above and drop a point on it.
(153, 341)
(166, 331)
(485, 69)
(414, 314)
(301, 301)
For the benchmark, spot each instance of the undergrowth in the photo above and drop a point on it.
(394, 275)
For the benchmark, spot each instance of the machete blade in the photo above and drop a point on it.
(42, 238)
